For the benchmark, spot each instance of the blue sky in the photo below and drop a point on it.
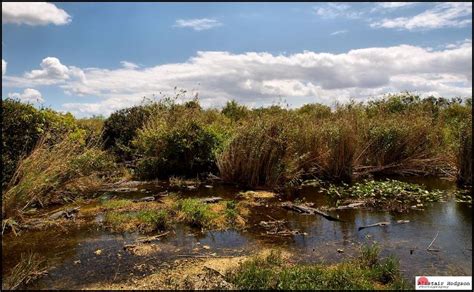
(93, 58)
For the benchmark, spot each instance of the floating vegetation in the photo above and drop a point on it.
(463, 196)
(390, 195)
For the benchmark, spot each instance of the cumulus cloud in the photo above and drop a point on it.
(28, 95)
(33, 13)
(52, 72)
(129, 65)
(440, 16)
(197, 24)
(258, 79)
(4, 67)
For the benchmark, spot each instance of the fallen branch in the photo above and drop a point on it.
(145, 199)
(149, 239)
(202, 256)
(374, 225)
(349, 206)
(210, 200)
(308, 210)
(429, 246)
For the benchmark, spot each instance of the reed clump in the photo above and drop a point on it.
(51, 172)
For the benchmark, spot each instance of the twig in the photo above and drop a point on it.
(148, 239)
(202, 256)
(428, 248)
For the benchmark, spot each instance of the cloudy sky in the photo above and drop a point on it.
(90, 58)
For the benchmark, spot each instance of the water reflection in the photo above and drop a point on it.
(321, 243)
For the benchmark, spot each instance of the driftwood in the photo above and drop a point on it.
(308, 210)
(151, 238)
(67, 213)
(210, 200)
(403, 221)
(349, 206)
(145, 199)
(429, 246)
(380, 224)
(374, 225)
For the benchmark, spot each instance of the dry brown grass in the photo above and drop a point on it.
(68, 168)
(31, 266)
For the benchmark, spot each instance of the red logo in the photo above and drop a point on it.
(423, 281)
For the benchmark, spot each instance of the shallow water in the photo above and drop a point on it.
(318, 241)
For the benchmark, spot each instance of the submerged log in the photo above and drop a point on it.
(211, 200)
(378, 224)
(308, 210)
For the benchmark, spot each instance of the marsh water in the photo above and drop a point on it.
(74, 262)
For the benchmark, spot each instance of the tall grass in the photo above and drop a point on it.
(30, 266)
(254, 157)
(464, 157)
(401, 135)
(52, 170)
(400, 144)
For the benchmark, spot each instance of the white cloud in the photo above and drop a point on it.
(51, 72)
(258, 78)
(4, 67)
(28, 95)
(395, 4)
(129, 65)
(333, 10)
(33, 13)
(440, 16)
(197, 24)
(339, 32)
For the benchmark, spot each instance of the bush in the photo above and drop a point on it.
(121, 127)
(234, 111)
(22, 127)
(177, 141)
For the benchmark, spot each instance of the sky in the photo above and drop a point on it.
(95, 58)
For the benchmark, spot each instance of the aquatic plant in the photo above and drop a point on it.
(145, 221)
(389, 194)
(195, 213)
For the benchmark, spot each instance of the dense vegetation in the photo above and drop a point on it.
(44, 152)
(367, 272)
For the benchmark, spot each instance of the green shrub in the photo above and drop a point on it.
(234, 111)
(178, 141)
(22, 127)
(121, 127)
